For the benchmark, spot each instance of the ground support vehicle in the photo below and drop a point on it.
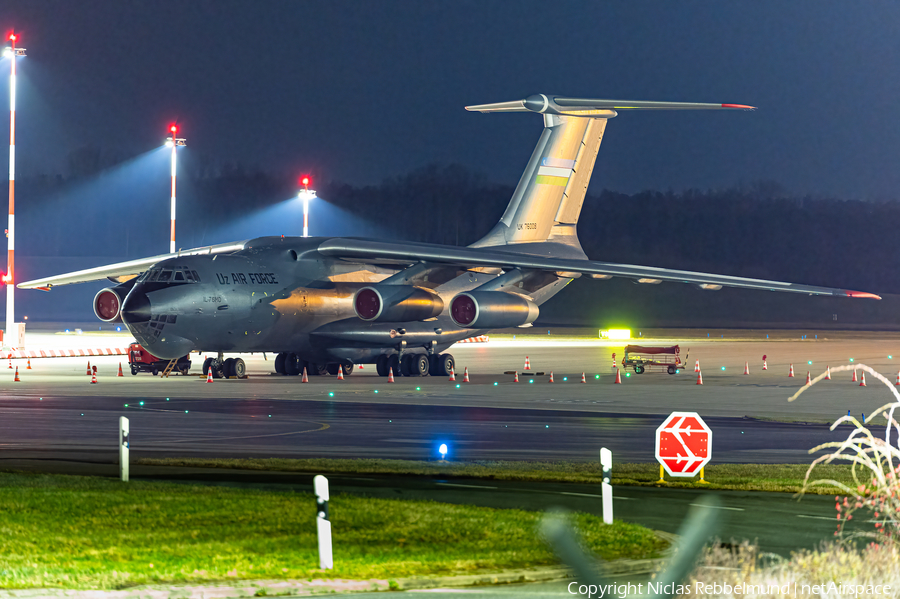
(140, 360)
(641, 358)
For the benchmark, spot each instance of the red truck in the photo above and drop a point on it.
(141, 360)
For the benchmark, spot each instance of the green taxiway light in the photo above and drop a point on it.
(545, 426)
(531, 381)
(851, 359)
(627, 374)
(126, 405)
(495, 383)
(270, 415)
(376, 390)
(809, 362)
(565, 378)
(596, 376)
(167, 399)
(418, 388)
(331, 394)
(185, 411)
(82, 414)
(723, 368)
(142, 403)
(457, 386)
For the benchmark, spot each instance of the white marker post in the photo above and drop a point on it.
(606, 487)
(123, 448)
(323, 524)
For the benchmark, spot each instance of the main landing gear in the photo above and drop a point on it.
(290, 364)
(415, 364)
(225, 368)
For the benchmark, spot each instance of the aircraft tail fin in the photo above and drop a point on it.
(548, 199)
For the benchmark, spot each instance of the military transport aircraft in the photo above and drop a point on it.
(327, 303)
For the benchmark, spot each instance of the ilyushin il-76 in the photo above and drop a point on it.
(324, 303)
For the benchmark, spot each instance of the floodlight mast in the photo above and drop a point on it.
(11, 52)
(173, 142)
(306, 194)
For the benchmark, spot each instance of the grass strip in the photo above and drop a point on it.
(95, 533)
(786, 478)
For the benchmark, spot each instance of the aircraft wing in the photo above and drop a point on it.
(123, 271)
(409, 253)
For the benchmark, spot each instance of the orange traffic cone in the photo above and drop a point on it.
(94, 378)
(29, 364)
(699, 378)
(828, 374)
(527, 364)
(618, 377)
(746, 368)
(791, 373)
(209, 376)
(862, 381)
(697, 366)
(304, 378)
(516, 378)
(452, 375)
(765, 366)
(808, 379)
(340, 373)
(854, 379)
(361, 366)
(466, 374)
(583, 380)
(390, 375)
(120, 370)
(88, 368)
(898, 377)
(16, 380)
(10, 361)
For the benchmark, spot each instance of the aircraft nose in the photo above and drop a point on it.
(136, 308)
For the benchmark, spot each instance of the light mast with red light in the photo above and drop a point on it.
(11, 52)
(173, 142)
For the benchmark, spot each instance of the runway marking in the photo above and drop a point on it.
(814, 517)
(312, 430)
(593, 495)
(465, 486)
(719, 507)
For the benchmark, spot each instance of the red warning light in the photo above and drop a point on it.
(173, 128)
(12, 36)
(305, 181)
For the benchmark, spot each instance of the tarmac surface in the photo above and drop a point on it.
(55, 407)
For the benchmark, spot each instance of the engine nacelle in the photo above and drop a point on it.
(108, 302)
(492, 310)
(396, 303)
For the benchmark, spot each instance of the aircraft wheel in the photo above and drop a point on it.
(279, 363)
(394, 364)
(292, 364)
(347, 368)
(239, 368)
(320, 369)
(406, 365)
(185, 370)
(229, 367)
(381, 365)
(446, 363)
(418, 365)
(332, 368)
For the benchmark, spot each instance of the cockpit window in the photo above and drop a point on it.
(179, 274)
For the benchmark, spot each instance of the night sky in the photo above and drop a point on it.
(357, 91)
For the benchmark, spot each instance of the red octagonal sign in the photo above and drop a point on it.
(683, 444)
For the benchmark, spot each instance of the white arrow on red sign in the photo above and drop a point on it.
(683, 444)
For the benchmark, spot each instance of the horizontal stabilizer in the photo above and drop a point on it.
(593, 108)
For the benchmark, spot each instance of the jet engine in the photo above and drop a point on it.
(108, 302)
(492, 310)
(396, 303)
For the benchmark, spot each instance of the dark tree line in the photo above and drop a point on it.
(759, 231)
